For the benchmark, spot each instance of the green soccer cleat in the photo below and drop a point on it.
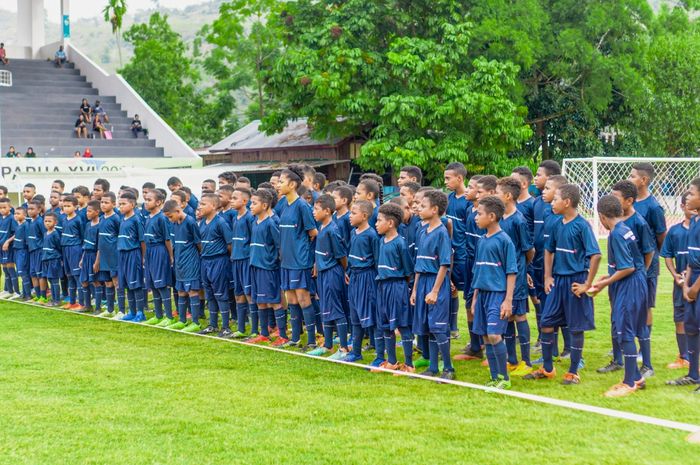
(178, 325)
(421, 363)
(119, 316)
(192, 328)
(106, 314)
(42, 300)
(238, 335)
(153, 321)
(318, 351)
(165, 322)
(502, 383)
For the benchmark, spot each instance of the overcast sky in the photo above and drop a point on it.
(92, 8)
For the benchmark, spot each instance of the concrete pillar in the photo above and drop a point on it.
(30, 27)
(65, 16)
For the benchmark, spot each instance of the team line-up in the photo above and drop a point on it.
(339, 266)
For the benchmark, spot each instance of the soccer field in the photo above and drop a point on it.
(76, 389)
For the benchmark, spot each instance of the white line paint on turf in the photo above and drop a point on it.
(693, 429)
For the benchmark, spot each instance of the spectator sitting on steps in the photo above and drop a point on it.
(3, 55)
(136, 126)
(86, 110)
(87, 153)
(81, 127)
(97, 126)
(77, 154)
(98, 110)
(12, 153)
(30, 153)
(60, 57)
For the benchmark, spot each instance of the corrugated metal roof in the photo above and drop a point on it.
(268, 166)
(249, 137)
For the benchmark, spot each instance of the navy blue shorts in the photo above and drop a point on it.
(362, 297)
(468, 276)
(51, 269)
(8, 256)
(87, 273)
(431, 318)
(215, 277)
(333, 292)
(159, 273)
(22, 262)
(628, 299)
(520, 307)
(106, 276)
(71, 260)
(188, 285)
(458, 274)
(678, 313)
(130, 269)
(487, 314)
(563, 308)
(35, 263)
(652, 284)
(532, 291)
(691, 317)
(392, 304)
(265, 286)
(240, 270)
(296, 279)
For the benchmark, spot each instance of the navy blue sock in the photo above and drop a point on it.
(281, 321)
(576, 351)
(182, 308)
(547, 349)
(509, 339)
(493, 363)
(87, 295)
(682, 342)
(121, 301)
(263, 317)
(254, 318)
(341, 325)
(424, 340)
(538, 318)
(357, 335)
(631, 370)
(645, 348)
(390, 344)
(327, 336)
(165, 296)
(555, 343)
(72, 289)
(566, 334)
(55, 290)
(14, 281)
(501, 356)
(524, 339)
(157, 303)
(434, 354)
(131, 297)
(26, 286)
(318, 321)
(295, 321)
(693, 355)
(109, 296)
(140, 297)
(454, 313)
(617, 350)
(37, 291)
(407, 343)
(241, 311)
(99, 293)
(196, 311)
(474, 339)
(310, 324)
(443, 345)
(213, 312)
(43, 293)
(225, 312)
(370, 334)
(379, 343)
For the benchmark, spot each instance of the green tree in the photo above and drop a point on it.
(114, 13)
(165, 77)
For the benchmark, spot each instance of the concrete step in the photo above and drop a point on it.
(38, 64)
(54, 99)
(67, 140)
(53, 114)
(52, 128)
(56, 85)
(47, 90)
(20, 77)
(19, 69)
(97, 152)
(119, 132)
(38, 121)
(13, 107)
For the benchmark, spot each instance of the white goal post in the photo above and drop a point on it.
(595, 176)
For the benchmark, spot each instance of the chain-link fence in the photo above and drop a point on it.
(596, 176)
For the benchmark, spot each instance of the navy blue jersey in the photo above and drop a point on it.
(280, 206)
(108, 231)
(193, 202)
(411, 234)
(434, 250)
(527, 208)
(330, 247)
(241, 232)
(72, 233)
(215, 237)
(623, 252)
(51, 248)
(515, 226)
(229, 215)
(91, 233)
(572, 244)
(35, 233)
(185, 237)
(265, 243)
(130, 233)
(646, 242)
(458, 209)
(82, 214)
(373, 219)
(495, 259)
(473, 233)
(296, 221)
(344, 226)
(189, 211)
(20, 242)
(653, 214)
(394, 260)
(542, 211)
(8, 225)
(694, 244)
(157, 229)
(676, 246)
(364, 249)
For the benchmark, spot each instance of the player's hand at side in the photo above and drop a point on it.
(692, 294)
(530, 282)
(96, 266)
(506, 309)
(6, 246)
(413, 297)
(431, 298)
(313, 271)
(579, 289)
(347, 279)
(453, 289)
(548, 285)
(679, 279)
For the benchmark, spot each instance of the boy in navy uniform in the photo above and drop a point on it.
(72, 249)
(675, 253)
(19, 244)
(514, 224)
(265, 266)
(458, 209)
(8, 226)
(394, 267)
(568, 276)
(159, 258)
(369, 190)
(242, 224)
(216, 249)
(495, 271)
(87, 260)
(627, 291)
(35, 238)
(431, 290)
(51, 268)
(362, 281)
(331, 263)
(343, 199)
(132, 250)
(186, 249)
(106, 265)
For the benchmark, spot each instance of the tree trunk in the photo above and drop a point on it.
(544, 143)
(119, 47)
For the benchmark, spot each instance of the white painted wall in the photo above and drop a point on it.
(30, 28)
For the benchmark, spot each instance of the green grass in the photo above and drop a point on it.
(83, 390)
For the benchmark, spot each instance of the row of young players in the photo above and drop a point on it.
(508, 191)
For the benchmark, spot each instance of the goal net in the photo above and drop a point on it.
(596, 176)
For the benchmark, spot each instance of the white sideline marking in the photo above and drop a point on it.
(693, 429)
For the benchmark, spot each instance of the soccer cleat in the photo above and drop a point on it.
(522, 369)
(66, 306)
(539, 361)
(291, 343)
(386, 365)
(251, 337)
(352, 358)
(407, 369)
(502, 383)
(75, 307)
(208, 330)
(697, 390)
(368, 347)
(641, 383)
(610, 367)
(106, 314)
(15, 297)
(42, 300)
(139, 318)
(570, 378)
(541, 373)
(469, 354)
(512, 366)
(448, 374)
(52, 304)
(129, 317)
(485, 362)
(376, 362)
(192, 328)
(165, 322)
(226, 333)
(620, 390)
(179, 325)
(646, 372)
(238, 335)
(279, 342)
(491, 383)
(421, 363)
(454, 335)
(258, 340)
(309, 347)
(119, 316)
(429, 373)
(155, 321)
(683, 381)
(339, 354)
(678, 364)
(318, 351)
(274, 333)
(4, 295)
(566, 353)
